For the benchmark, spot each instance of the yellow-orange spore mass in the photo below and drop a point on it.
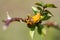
(36, 18)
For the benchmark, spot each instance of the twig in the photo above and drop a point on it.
(52, 24)
(8, 21)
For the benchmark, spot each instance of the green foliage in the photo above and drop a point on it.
(32, 27)
(40, 4)
(45, 15)
(50, 6)
(35, 10)
(39, 28)
(42, 9)
(48, 12)
(39, 8)
(46, 5)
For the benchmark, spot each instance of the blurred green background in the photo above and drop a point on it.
(22, 8)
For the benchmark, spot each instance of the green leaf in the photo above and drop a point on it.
(46, 12)
(35, 10)
(44, 30)
(39, 28)
(42, 17)
(39, 8)
(31, 34)
(32, 27)
(40, 4)
(50, 6)
(46, 17)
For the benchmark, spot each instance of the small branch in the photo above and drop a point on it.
(52, 24)
(8, 21)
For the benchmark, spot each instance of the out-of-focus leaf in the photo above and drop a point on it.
(39, 8)
(35, 10)
(49, 12)
(32, 27)
(46, 12)
(31, 33)
(39, 28)
(40, 4)
(46, 17)
(44, 30)
(50, 5)
(42, 17)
